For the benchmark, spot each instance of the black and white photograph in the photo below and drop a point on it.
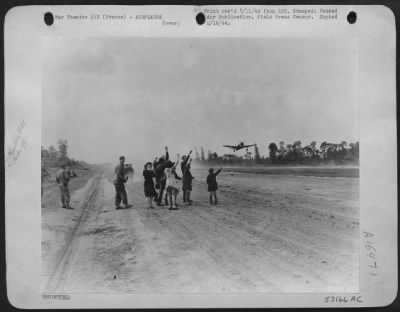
(200, 157)
(200, 165)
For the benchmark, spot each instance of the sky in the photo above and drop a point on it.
(132, 96)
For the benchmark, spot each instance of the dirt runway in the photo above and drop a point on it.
(269, 233)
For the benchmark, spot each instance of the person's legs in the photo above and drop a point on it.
(169, 198)
(62, 198)
(188, 200)
(211, 197)
(184, 195)
(167, 195)
(215, 197)
(172, 194)
(160, 195)
(124, 196)
(175, 194)
(117, 196)
(66, 196)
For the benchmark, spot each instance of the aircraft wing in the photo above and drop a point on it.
(230, 146)
(246, 146)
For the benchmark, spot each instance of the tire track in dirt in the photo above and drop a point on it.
(241, 252)
(241, 245)
(62, 270)
(177, 243)
(226, 254)
(263, 216)
(303, 245)
(290, 253)
(328, 263)
(103, 242)
(335, 252)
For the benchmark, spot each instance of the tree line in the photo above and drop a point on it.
(288, 154)
(56, 157)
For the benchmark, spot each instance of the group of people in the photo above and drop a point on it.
(162, 182)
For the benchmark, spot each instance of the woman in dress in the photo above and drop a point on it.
(149, 189)
(172, 185)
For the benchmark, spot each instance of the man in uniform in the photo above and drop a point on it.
(62, 178)
(162, 163)
(119, 183)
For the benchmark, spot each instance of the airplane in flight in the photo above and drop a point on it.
(239, 146)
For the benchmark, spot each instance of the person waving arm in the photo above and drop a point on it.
(176, 163)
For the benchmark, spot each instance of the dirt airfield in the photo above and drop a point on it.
(293, 230)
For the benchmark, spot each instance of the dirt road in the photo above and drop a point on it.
(269, 233)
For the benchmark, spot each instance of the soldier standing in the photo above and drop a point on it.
(162, 163)
(62, 178)
(119, 183)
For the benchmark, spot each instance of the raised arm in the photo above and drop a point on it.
(186, 158)
(176, 176)
(166, 153)
(155, 162)
(186, 165)
(218, 171)
(177, 162)
(187, 170)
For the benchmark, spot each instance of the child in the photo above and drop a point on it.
(187, 183)
(149, 190)
(184, 162)
(172, 185)
(212, 184)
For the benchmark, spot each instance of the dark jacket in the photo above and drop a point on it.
(184, 163)
(119, 175)
(212, 181)
(160, 166)
(187, 178)
(149, 190)
(148, 177)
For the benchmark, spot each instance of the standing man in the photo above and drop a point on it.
(119, 183)
(162, 163)
(184, 161)
(62, 178)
